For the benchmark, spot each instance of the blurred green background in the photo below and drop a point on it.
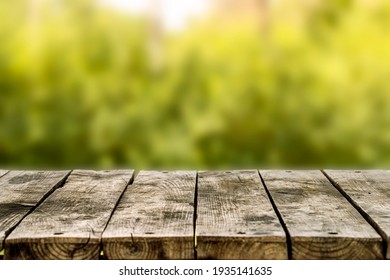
(248, 84)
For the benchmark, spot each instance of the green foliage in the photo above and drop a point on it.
(77, 88)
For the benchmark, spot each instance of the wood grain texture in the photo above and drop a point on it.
(321, 222)
(20, 192)
(154, 218)
(69, 223)
(369, 191)
(235, 219)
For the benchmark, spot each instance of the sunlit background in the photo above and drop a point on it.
(194, 84)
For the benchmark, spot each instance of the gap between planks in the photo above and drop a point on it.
(154, 219)
(361, 204)
(102, 256)
(236, 219)
(195, 215)
(58, 185)
(360, 210)
(281, 221)
(3, 172)
(321, 222)
(80, 238)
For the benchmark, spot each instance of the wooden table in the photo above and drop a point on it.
(237, 214)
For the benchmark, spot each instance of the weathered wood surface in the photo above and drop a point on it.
(3, 172)
(321, 222)
(20, 192)
(235, 219)
(154, 219)
(369, 191)
(70, 222)
(335, 215)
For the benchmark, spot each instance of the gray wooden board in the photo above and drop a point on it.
(321, 222)
(235, 218)
(69, 223)
(154, 218)
(369, 190)
(20, 192)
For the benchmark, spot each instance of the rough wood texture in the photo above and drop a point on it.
(235, 219)
(2, 172)
(369, 191)
(321, 222)
(154, 219)
(69, 224)
(20, 192)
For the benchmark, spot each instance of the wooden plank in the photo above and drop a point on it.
(154, 218)
(20, 192)
(235, 219)
(322, 224)
(69, 224)
(369, 191)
